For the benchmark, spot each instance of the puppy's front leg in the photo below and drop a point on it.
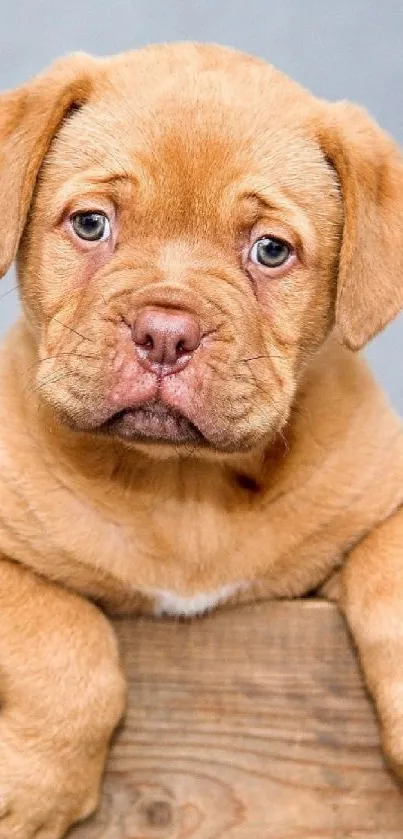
(373, 602)
(61, 695)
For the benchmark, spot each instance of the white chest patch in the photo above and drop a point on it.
(170, 603)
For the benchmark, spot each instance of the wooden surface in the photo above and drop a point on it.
(250, 723)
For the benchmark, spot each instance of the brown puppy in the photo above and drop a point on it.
(201, 244)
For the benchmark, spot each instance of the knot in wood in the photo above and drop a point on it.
(158, 814)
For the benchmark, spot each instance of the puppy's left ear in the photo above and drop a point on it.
(369, 168)
(29, 118)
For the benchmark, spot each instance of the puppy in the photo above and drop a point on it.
(201, 248)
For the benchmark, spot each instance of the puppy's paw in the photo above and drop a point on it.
(51, 773)
(41, 796)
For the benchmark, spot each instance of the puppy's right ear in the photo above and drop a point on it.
(369, 168)
(29, 118)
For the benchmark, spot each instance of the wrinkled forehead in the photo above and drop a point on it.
(191, 145)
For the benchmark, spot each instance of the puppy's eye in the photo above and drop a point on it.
(92, 227)
(270, 252)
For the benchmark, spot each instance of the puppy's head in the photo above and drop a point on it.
(189, 227)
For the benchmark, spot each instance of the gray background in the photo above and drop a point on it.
(346, 49)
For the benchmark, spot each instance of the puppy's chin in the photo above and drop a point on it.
(160, 431)
(155, 423)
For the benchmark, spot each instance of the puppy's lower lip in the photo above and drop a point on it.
(153, 422)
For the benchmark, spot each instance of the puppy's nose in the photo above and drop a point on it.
(165, 338)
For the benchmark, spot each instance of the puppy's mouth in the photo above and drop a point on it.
(153, 422)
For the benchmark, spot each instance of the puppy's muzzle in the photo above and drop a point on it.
(165, 339)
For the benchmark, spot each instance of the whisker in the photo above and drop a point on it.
(75, 354)
(72, 352)
(76, 332)
(51, 380)
(269, 356)
(58, 355)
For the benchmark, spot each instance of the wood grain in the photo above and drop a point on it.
(249, 724)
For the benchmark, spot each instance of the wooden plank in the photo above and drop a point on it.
(249, 724)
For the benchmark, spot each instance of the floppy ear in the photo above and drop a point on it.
(29, 118)
(369, 167)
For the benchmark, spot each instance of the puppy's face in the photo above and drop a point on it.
(180, 262)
